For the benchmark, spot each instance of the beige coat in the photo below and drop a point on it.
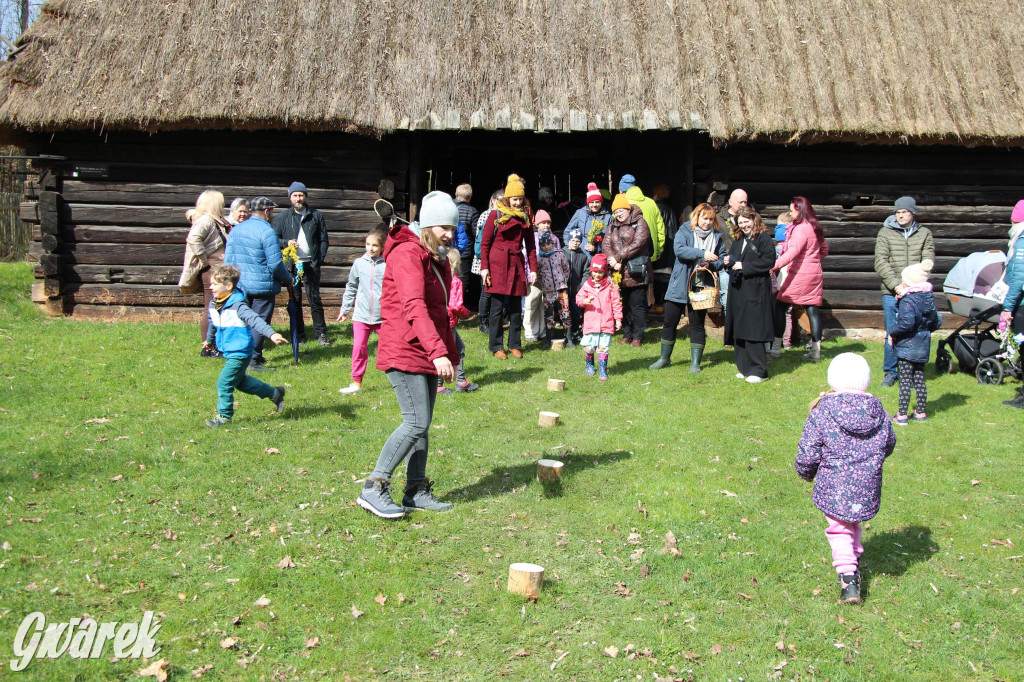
(204, 247)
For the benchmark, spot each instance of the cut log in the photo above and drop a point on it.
(558, 344)
(556, 384)
(526, 580)
(549, 470)
(548, 419)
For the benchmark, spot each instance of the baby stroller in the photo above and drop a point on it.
(976, 344)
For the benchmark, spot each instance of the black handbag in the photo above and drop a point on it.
(637, 267)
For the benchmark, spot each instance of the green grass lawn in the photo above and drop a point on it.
(117, 500)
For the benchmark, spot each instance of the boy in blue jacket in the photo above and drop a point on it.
(230, 320)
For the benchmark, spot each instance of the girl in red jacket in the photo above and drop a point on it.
(415, 348)
(602, 314)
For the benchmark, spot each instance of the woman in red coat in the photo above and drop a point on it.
(506, 234)
(416, 347)
(804, 280)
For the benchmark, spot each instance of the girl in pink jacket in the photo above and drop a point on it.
(803, 281)
(602, 315)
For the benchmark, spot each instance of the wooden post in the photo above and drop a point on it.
(549, 470)
(548, 419)
(556, 384)
(525, 580)
(51, 210)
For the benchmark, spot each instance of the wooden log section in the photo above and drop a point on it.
(176, 235)
(330, 276)
(167, 254)
(926, 214)
(549, 470)
(525, 580)
(548, 419)
(556, 384)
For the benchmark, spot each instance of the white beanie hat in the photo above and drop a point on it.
(438, 208)
(849, 372)
(917, 273)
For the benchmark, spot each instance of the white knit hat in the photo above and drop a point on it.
(438, 208)
(849, 372)
(917, 273)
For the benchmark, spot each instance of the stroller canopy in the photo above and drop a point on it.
(974, 274)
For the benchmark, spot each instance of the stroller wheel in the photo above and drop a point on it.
(990, 371)
(943, 362)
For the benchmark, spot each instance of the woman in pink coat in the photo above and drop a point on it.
(801, 280)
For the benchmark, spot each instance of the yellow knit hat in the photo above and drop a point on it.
(514, 188)
(621, 202)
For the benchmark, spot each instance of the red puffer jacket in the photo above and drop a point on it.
(414, 307)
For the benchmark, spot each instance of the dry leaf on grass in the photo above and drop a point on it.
(611, 651)
(312, 642)
(356, 612)
(671, 545)
(1005, 543)
(645, 570)
(154, 669)
(380, 599)
(117, 478)
(716, 649)
(286, 563)
(201, 670)
(263, 601)
(691, 655)
(272, 451)
(401, 598)
(728, 493)
(228, 642)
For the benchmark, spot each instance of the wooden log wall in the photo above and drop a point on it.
(113, 247)
(964, 197)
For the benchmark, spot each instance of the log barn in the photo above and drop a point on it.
(131, 108)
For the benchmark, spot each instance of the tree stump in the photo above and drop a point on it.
(525, 580)
(548, 419)
(558, 344)
(549, 470)
(556, 384)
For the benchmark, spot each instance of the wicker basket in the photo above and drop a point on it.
(703, 295)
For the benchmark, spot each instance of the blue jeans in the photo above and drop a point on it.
(233, 377)
(889, 308)
(416, 394)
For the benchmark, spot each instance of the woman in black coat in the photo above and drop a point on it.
(748, 317)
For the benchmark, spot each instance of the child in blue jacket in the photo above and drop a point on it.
(916, 319)
(230, 320)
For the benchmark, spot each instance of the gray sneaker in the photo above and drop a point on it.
(376, 499)
(278, 398)
(418, 495)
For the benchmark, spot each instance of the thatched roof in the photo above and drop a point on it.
(922, 70)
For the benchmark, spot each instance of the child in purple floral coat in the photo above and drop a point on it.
(553, 280)
(845, 440)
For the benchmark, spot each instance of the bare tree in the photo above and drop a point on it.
(15, 17)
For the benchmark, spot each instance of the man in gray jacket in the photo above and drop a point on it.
(901, 242)
(303, 227)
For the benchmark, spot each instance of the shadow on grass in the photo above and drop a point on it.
(343, 410)
(504, 480)
(946, 401)
(894, 551)
(507, 375)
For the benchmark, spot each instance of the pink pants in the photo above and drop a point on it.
(360, 338)
(844, 537)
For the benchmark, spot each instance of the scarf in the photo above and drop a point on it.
(703, 239)
(507, 213)
(604, 283)
(219, 301)
(916, 288)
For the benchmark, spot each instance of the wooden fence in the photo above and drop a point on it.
(15, 235)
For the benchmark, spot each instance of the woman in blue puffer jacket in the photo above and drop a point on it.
(1012, 315)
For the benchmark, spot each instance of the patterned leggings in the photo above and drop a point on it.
(912, 376)
(557, 303)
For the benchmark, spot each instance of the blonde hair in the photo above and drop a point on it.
(785, 218)
(211, 203)
(454, 259)
(430, 242)
(704, 210)
(225, 273)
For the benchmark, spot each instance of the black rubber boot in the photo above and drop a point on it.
(666, 355)
(849, 590)
(696, 354)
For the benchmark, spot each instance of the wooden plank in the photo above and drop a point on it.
(166, 254)
(927, 215)
(945, 247)
(850, 194)
(49, 212)
(135, 313)
(130, 294)
(164, 194)
(167, 216)
(875, 173)
(335, 276)
(866, 280)
(28, 211)
(174, 235)
(845, 263)
(939, 230)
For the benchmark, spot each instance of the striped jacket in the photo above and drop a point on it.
(229, 326)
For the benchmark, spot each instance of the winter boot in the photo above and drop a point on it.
(278, 398)
(666, 355)
(776, 351)
(590, 365)
(815, 354)
(568, 341)
(1018, 400)
(545, 339)
(849, 590)
(696, 353)
(376, 499)
(418, 496)
(602, 367)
